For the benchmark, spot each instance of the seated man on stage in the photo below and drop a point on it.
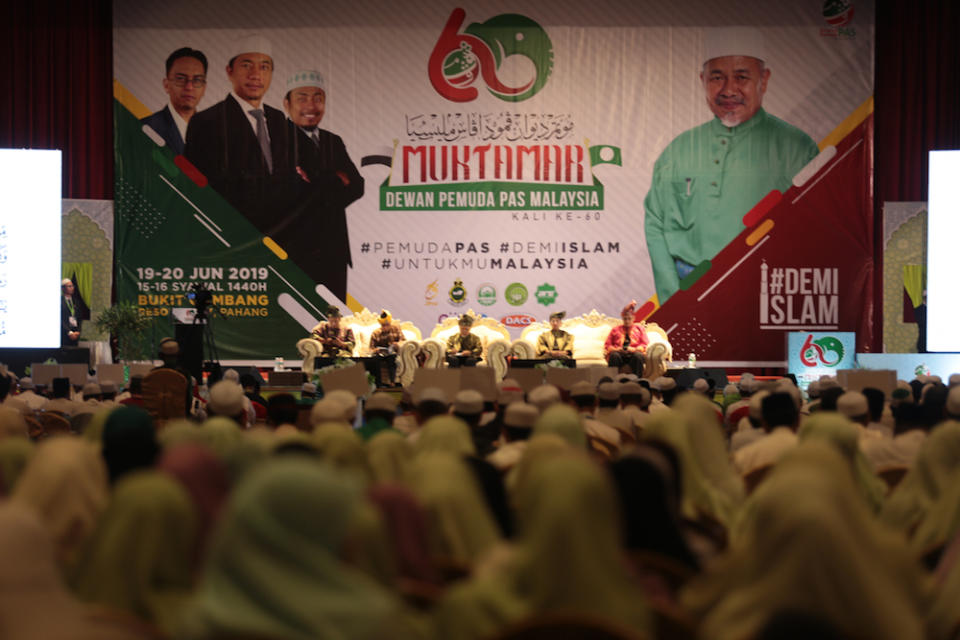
(555, 344)
(384, 343)
(337, 341)
(627, 343)
(463, 347)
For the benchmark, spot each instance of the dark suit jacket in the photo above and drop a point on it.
(306, 218)
(162, 122)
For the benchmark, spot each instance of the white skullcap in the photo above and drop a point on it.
(226, 398)
(544, 396)
(65, 282)
(610, 390)
(432, 394)
(701, 385)
(509, 390)
(853, 404)
(26, 383)
(520, 414)
(231, 375)
(733, 41)
(252, 43)
(730, 389)
(381, 401)
(326, 410)
(306, 78)
(346, 399)
(468, 402)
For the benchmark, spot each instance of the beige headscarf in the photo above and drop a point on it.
(12, 424)
(811, 545)
(448, 434)
(65, 483)
(33, 600)
(567, 558)
(462, 528)
(936, 468)
(701, 494)
(389, 454)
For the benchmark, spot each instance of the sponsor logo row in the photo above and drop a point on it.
(516, 294)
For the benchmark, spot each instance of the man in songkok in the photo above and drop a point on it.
(463, 347)
(337, 341)
(555, 344)
(627, 343)
(384, 344)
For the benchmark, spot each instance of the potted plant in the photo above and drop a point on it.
(127, 329)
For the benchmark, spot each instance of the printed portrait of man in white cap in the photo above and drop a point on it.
(710, 176)
(271, 171)
(306, 103)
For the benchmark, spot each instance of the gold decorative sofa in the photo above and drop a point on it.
(494, 336)
(364, 324)
(590, 331)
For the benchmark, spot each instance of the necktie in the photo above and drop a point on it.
(262, 137)
(70, 306)
(315, 136)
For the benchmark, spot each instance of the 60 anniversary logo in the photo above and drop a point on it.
(458, 59)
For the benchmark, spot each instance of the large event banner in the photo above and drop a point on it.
(514, 158)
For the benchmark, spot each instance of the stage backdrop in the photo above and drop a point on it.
(507, 153)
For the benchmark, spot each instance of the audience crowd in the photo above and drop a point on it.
(636, 508)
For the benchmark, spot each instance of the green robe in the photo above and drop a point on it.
(707, 179)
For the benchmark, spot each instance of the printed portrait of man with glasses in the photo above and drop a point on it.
(185, 83)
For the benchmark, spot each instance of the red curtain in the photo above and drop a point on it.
(917, 106)
(56, 91)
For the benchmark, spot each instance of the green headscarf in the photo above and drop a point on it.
(461, 526)
(567, 558)
(448, 434)
(843, 434)
(140, 557)
(274, 568)
(343, 449)
(810, 544)
(700, 495)
(389, 454)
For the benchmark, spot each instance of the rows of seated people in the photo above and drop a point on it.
(628, 509)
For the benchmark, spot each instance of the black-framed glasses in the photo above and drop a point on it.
(181, 80)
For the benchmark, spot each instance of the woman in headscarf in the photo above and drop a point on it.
(343, 449)
(701, 497)
(275, 568)
(650, 506)
(65, 484)
(34, 603)
(12, 424)
(566, 559)
(811, 545)
(205, 478)
(843, 434)
(447, 434)
(406, 522)
(129, 442)
(140, 558)
(563, 421)
(462, 528)
(389, 454)
(936, 468)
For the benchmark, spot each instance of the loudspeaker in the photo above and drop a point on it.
(686, 377)
(190, 339)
